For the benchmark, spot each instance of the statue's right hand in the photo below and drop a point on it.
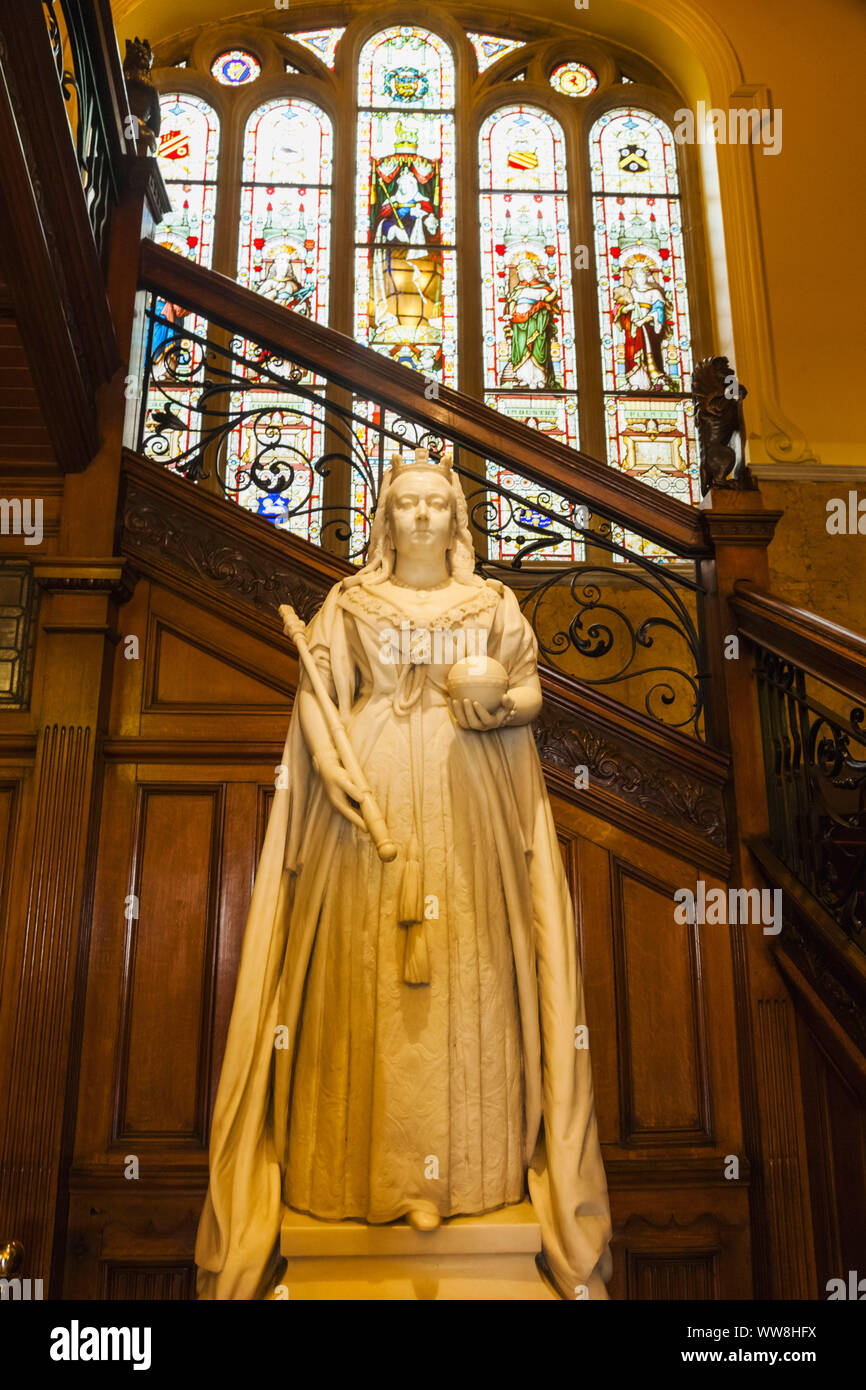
(340, 788)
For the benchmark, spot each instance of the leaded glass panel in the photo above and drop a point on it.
(529, 350)
(405, 225)
(489, 48)
(643, 303)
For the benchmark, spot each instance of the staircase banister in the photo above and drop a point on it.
(827, 651)
(460, 418)
(114, 100)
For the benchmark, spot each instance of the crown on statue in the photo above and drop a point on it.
(421, 460)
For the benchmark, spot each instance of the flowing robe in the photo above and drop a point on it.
(532, 331)
(478, 1069)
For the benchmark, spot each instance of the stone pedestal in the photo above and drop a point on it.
(468, 1258)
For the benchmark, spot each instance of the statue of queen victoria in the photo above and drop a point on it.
(411, 935)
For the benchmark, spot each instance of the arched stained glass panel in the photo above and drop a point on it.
(405, 223)
(530, 366)
(284, 253)
(643, 302)
(405, 260)
(285, 238)
(188, 156)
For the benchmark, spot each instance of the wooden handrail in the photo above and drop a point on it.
(459, 418)
(825, 650)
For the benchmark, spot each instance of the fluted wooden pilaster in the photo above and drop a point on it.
(38, 1019)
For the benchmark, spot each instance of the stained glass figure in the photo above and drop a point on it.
(406, 259)
(643, 302)
(235, 68)
(530, 367)
(322, 42)
(573, 79)
(488, 48)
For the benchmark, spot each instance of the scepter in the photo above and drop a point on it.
(296, 628)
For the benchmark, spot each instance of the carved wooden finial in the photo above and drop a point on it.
(719, 400)
(143, 96)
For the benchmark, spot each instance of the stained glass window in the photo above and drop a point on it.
(269, 470)
(322, 42)
(188, 155)
(573, 79)
(404, 245)
(406, 258)
(284, 252)
(285, 235)
(488, 48)
(405, 217)
(235, 68)
(530, 367)
(643, 302)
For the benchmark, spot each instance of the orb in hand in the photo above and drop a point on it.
(478, 678)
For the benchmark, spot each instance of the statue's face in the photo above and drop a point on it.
(421, 514)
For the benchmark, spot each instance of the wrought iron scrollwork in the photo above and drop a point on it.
(604, 608)
(815, 764)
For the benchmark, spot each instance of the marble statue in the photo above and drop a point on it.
(406, 1041)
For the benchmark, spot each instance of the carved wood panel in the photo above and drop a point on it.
(661, 1025)
(788, 1217)
(9, 805)
(157, 1281)
(169, 949)
(673, 1275)
(37, 1028)
(699, 1250)
(185, 674)
(836, 1148)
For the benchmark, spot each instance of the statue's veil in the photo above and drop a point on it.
(460, 555)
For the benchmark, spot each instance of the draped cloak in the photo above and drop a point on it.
(237, 1248)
